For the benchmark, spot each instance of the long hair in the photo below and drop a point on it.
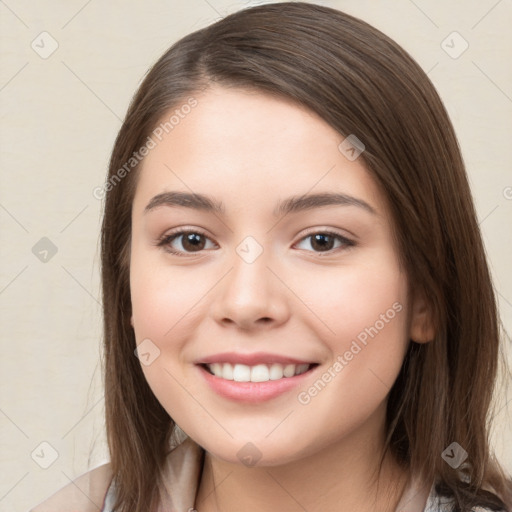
(360, 82)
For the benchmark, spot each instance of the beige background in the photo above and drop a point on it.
(60, 115)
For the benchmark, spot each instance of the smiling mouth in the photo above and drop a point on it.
(256, 373)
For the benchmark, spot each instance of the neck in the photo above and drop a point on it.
(342, 477)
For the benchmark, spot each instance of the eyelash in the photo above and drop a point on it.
(166, 240)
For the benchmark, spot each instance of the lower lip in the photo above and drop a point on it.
(253, 392)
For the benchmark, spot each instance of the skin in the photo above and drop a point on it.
(250, 151)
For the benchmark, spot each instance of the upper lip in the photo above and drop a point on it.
(251, 359)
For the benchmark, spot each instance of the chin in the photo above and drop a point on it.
(257, 451)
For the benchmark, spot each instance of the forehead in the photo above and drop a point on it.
(241, 145)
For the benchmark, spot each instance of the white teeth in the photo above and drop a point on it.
(260, 373)
(227, 372)
(289, 370)
(216, 368)
(276, 372)
(257, 373)
(301, 368)
(241, 373)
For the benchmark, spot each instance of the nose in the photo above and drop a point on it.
(251, 296)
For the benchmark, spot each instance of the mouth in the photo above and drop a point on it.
(256, 373)
(254, 378)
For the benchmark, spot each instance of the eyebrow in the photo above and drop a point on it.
(290, 205)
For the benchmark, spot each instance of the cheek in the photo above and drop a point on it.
(163, 299)
(163, 313)
(168, 304)
(364, 313)
(159, 303)
(348, 300)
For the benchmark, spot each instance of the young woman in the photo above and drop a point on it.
(298, 310)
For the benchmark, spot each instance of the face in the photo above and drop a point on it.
(265, 316)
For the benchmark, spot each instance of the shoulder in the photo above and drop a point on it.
(84, 494)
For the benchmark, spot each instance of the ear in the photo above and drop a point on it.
(421, 328)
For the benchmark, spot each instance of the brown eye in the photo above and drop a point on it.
(324, 241)
(193, 242)
(183, 242)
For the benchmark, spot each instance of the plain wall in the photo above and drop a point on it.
(60, 114)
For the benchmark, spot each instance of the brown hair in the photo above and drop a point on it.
(360, 82)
